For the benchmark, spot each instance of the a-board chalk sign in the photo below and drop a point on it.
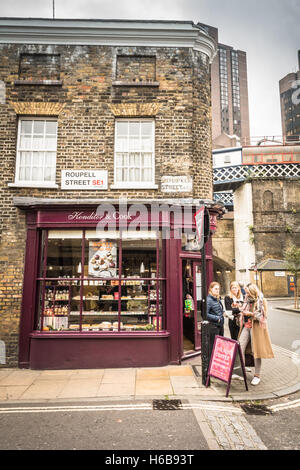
(222, 361)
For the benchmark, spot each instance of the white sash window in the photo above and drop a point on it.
(36, 152)
(134, 153)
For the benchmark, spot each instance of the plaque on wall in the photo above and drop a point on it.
(84, 179)
(176, 184)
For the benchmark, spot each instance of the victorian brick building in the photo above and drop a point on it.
(95, 111)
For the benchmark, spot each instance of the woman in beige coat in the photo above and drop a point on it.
(254, 330)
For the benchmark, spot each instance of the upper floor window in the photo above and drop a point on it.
(134, 153)
(36, 151)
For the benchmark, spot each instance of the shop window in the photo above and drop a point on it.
(101, 281)
(36, 152)
(134, 153)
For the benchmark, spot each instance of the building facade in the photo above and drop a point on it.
(106, 157)
(289, 87)
(260, 186)
(229, 83)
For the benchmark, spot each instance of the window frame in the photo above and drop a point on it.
(34, 183)
(132, 184)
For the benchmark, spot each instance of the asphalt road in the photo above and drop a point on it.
(134, 426)
(126, 429)
(284, 327)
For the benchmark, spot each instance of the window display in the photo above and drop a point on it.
(101, 281)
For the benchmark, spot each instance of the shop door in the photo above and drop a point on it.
(191, 308)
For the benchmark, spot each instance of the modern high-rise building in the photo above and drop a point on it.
(289, 90)
(229, 94)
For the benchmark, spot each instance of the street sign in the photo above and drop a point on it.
(222, 361)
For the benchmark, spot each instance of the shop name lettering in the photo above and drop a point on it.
(94, 216)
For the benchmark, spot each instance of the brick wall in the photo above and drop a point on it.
(87, 103)
(276, 212)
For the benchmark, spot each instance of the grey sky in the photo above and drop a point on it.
(268, 30)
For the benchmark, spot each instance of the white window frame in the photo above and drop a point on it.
(132, 184)
(33, 183)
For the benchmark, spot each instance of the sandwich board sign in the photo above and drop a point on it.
(222, 361)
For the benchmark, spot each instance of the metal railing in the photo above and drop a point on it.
(240, 173)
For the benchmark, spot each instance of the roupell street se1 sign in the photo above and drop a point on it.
(83, 179)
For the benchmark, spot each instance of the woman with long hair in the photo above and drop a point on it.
(253, 329)
(233, 301)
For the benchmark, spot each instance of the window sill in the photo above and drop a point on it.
(133, 186)
(33, 185)
(100, 335)
(150, 83)
(38, 82)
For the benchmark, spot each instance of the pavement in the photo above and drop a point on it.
(287, 308)
(280, 377)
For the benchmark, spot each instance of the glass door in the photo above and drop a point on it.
(192, 299)
(197, 303)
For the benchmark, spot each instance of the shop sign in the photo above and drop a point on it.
(279, 273)
(222, 361)
(176, 184)
(84, 179)
(199, 220)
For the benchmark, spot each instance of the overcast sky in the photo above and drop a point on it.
(267, 30)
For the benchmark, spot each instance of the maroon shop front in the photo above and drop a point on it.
(110, 289)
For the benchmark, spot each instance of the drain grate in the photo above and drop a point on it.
(167, 404)
(262, 410)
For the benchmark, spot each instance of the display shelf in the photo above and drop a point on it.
(55, 316)
(111, 314)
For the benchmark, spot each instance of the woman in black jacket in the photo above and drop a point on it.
(215, 312)
(232, 302)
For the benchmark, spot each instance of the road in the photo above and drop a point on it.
(135, 426)
(284, 327)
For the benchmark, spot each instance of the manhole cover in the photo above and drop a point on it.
(256, 410)
(167, 405)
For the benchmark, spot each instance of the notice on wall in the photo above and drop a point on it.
(83, 179)
(222, 360)
(176, 184)
(102, 259)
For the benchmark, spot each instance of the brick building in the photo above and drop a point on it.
(95, 111)
(290, 105)
(229, 94)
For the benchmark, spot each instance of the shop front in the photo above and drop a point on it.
(110, 288)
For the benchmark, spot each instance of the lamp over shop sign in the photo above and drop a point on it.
(83, 179)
